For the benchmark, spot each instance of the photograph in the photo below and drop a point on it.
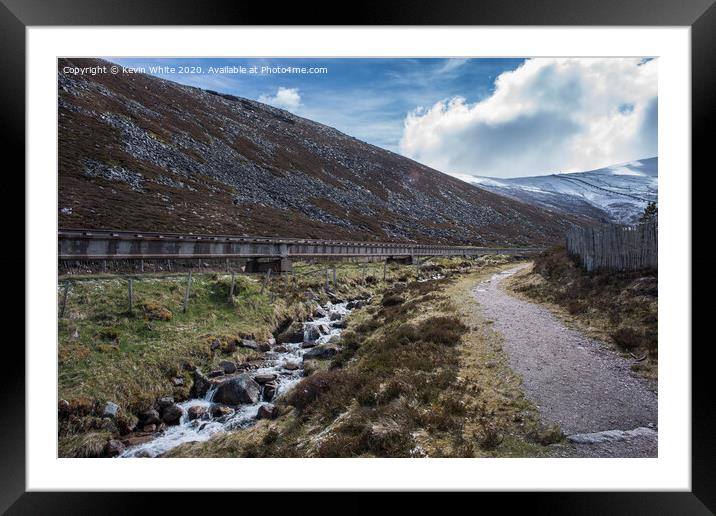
(358, 257)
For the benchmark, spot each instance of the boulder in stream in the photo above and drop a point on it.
(113, 448)
(267, 411)
(265, 378)
(249, 344)
(312, 334)
(221, 410)
(197, 412)
(149, 417)
(201, 385)
(237, 389)
(270, 391)
(172, 414)
(322, 351)
(294, 333)
(228, 366)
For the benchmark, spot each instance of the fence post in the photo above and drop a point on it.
(263, 286)
(130, 293)
(233, 281)
(64, 300)
(334, 277)
(186, 293)
(385, 266)
(326, 285)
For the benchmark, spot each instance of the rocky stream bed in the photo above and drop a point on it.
(233, 398)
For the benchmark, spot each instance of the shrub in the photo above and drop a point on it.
(392, 300)
(628, 338)
(441, 330)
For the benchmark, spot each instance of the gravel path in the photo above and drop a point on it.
(575, 381)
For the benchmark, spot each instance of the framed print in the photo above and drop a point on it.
(419, 252)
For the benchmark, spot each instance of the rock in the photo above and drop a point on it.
(322, 351)
(150, 428)
(271, 341)
(230, 346)
(267, 412)
(221, 410)
(264, 378)
(342, 324)
(227, 366)
(237, 389)
(281, 349)
(63, 409)
(178, 381)
(113, 448)
(215, 344)
(270, 391)
(197, 412)
(111, 409)
(320, 312)
(264, 347)
(294, 333)
(309, 344)
(291, 366)
(172, 414)
(335, 316)
(149, 417)
(323, 329)
(310, 294)
(215, 373)
(354, 305)
(334, 298)
(163, 403)
(188, 366)
(312, 334)
(200, 386)
(249, 344)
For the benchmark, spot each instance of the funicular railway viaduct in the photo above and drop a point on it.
(260, 253)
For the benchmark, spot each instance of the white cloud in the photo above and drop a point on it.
(546, 116)
(285, 98)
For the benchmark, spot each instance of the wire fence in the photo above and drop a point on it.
(615, 247)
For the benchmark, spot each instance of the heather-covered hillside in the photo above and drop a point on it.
(138, 152)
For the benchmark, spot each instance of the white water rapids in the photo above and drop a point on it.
(243, 416)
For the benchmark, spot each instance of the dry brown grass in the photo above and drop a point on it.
(422, 377)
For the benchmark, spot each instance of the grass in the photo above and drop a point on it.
(411, 380)
(106, 353)
(618, 307)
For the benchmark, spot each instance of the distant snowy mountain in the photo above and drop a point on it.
(618, 193)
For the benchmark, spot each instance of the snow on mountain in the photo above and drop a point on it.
(618, 193)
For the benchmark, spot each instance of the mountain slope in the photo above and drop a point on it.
(617, 194)
(138, 152)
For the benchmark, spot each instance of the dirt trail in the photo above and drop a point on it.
(576, 382)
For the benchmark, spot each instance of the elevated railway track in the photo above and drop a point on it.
(258, 253)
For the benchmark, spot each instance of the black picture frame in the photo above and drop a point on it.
(17, 15)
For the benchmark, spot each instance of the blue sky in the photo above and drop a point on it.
(454, 114)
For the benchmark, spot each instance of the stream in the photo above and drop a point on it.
(286, 366)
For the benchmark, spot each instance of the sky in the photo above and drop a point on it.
(465, 117)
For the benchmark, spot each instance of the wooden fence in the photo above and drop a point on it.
(615, 247)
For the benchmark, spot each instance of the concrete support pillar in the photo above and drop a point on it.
(274, 264)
